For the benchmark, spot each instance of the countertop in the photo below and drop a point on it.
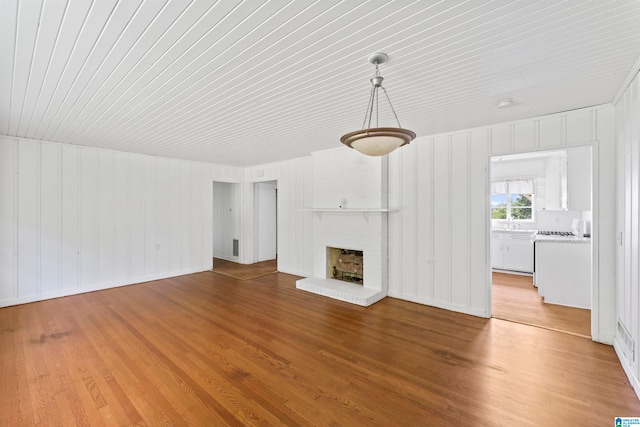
(562, 239)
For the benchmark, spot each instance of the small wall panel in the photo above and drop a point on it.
(425, 212)
(501, 139)
(185, 214)
(409, 281)
(175, 214)
(478, 257)
(206, 231)
(29, 218)
(136, 218)
(88, 218)
(150, 209)
(442, 218)
(122, 209)
(552, 132)
(580, 127)
(195, 213)
(8, 219)
(106, 216)
(525, 136)
(70, 197)
(50, 219)
(163, 217)
(460, 220)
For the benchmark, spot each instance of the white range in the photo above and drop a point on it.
(563, 268)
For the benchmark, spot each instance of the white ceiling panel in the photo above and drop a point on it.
(256, 81)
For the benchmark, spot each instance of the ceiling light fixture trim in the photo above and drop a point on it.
(377, 141)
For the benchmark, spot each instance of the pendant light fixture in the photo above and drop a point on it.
(377, 141)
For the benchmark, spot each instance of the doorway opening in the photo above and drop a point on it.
(542, 204)
(265, 220)
(226, 221)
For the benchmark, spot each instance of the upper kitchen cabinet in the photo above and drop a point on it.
(555, 178)
(579, 179)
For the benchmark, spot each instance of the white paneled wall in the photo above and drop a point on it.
(438, 241)
(75, 219)
(295, 191)
(628, 231)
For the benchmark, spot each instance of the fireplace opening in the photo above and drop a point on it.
(345, 264)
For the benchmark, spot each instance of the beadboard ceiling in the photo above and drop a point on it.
(251, 82)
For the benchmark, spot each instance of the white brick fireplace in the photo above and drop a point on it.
(350, 213)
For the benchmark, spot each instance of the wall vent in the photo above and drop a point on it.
(236, 252)
(628, 345)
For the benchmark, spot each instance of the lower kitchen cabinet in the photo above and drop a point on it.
(563, 273)
(512, 251)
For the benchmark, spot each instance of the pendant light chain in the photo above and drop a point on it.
(374, 99)
(391, 105)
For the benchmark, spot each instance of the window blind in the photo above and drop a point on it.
(519, 186)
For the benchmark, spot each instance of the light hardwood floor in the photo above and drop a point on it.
(207, 349)
(516, 299)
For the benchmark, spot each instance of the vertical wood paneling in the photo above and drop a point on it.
(307, 265)
(50, 219)
(136, 217)
(409, 280)
(460, 218)
(195, 215)
(106, 216)
(185, 214)
(8, 219)
(442, 218)
(478, 181)
(163, 217)
(175, 215)
(28, 218)
(70, 217)
(122, 216)
(206, 230)
(75, 219)
(150, 209)
(461, 279)
(395, 221)
(89, 217)
(424, 224)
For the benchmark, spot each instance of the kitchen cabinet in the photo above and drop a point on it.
(512, 251)
(563, 272)
(579, 179)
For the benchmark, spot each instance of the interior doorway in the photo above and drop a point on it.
(532, 193)
(226, 220)
(266, 220)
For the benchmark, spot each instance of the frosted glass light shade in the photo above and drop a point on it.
(378, 141)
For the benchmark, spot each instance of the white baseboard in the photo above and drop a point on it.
(439, 304)
(98, 287)
(635, 382)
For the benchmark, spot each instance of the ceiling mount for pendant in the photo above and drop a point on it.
(377, 141)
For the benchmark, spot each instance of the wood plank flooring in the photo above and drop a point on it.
(207, 349)
(244, 271)
(516, 299)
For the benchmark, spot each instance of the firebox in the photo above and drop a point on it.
(345, 264)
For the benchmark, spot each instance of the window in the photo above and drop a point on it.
(512, 200)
